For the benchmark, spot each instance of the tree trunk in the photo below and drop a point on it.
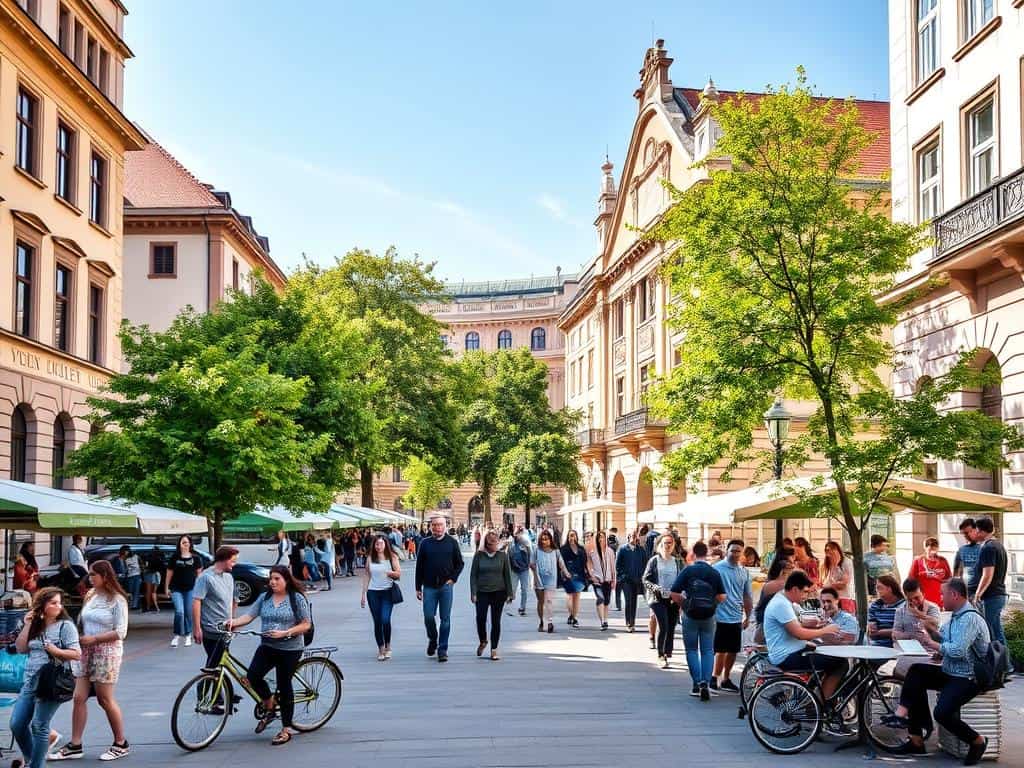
(859, 576)
(526, 513)
(218, 530)
(366, 485)
(486, 493)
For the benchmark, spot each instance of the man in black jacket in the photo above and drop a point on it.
(438, 565)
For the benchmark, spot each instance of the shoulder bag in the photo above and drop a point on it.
(396, 591)
(56, 681)
(307, 636)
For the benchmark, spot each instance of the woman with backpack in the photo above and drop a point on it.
(285, 617)
(659, 576)
(382, 570)
(48, 635)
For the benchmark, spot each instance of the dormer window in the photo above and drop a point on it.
(702, 141)
(708, 134)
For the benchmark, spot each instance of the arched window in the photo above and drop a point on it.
(538, 339)
(472, 340)
(94, 485)
(505, 339)
(19, 444)
(57, 464)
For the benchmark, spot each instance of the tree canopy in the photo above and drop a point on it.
(776, 267)
(548, 458)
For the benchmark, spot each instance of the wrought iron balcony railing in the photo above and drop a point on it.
(589, 437)
(990, 209)
(634, 420)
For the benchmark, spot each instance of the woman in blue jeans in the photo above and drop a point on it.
(48, 633)
(382, 570)
(183, 569)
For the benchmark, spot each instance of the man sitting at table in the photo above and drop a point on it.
(914, 615)
(787, 640)
(963, 639)
(848, 627)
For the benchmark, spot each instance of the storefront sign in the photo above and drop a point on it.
(40, 364)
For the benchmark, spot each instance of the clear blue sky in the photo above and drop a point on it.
(470, 133)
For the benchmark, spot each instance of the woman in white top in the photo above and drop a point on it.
(547, 564)
(602, 575)
(104, 621)
(838, 571)
(382, 570)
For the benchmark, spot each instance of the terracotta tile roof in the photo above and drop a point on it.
(874, 160)
(154, 179)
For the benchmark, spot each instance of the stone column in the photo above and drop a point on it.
(631, 395)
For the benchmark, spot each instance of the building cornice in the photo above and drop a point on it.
(12, 16)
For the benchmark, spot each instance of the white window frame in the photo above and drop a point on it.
(977, 150)
(974, 16)
(929, 189)
(927, 38)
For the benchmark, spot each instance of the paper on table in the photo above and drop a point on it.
(911, 648)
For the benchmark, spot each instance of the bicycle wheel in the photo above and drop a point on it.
(879, 700)
(201, 711)
(785, 715)
(319, 687)
(753, 671)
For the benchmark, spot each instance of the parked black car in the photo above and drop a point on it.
(250, 579)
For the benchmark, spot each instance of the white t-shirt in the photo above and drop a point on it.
(75, 557)
(284, 551)
(777, 614)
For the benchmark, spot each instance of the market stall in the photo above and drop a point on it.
(591, 514)
(274, 519)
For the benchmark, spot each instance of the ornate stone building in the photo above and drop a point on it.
(63, 140)
(617, 337)
(491, 315)
(957, 85)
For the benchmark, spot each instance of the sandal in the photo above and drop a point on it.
(282, 738)
(895, 721)
(264, 721)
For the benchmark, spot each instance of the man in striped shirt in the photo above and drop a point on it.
(959, 642)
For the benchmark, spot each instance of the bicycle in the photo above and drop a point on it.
(787, 712)
(754, 673)
(203, 706)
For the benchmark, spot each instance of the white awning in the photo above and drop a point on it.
(592, 505)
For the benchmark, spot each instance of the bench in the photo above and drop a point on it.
(983, 714)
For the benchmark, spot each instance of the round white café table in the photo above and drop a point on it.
(862, 652)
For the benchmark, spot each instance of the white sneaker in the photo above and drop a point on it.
(188, 640)
(174, 641)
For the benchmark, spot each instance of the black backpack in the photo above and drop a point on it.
(700, 599)
(307, 636)
(992, 668)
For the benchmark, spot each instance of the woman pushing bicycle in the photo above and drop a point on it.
(285, 617)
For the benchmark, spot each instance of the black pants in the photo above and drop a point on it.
(954, 692)
(619, 586)
(493, 602)
(631, 589)
(283, 663)
(667, 614)
(213, 644)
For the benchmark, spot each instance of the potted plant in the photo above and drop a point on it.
(1013, 627)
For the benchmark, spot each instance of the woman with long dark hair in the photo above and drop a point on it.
(382, 570)
(26, 569)
(659, 576)
(838, 571)
(47, 634)
(882, 612)
(804, 559)
(183, 569)
(547, 566)
(602, 576)
(104, 620)
(284, 618)
(575, 559)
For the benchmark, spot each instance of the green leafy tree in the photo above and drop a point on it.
(549, 458)
(504, 400)
(208, 429)
(413, 407)
(776, 268)
(427, 487)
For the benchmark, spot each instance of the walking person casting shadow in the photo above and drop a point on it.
(380, 578)
(438, 566)
(284, 618)
(490, 587)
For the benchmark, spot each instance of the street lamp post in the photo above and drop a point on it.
(776, 421)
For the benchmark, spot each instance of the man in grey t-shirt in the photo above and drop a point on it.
(213, 602)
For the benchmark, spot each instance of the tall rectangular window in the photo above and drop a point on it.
(65, 171)
(652, 295)
(164, 260)
(104, 71)
(31, 7)
(927, 38)
(929, 183)
(234, 274)
(981, 142)
(64, 30)
(28, 131)
(98, 189)
(641, 297)
(96, 323)
(619, 311)
(590, 369)
(62, 309)
(24, 268)
(572, 378)
(645, 381)
(79, 55)
(91, 65)
(977, 13)
(620, 395)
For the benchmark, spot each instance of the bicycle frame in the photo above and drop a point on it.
(857, 679)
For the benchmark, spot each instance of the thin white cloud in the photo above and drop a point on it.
(555, 207)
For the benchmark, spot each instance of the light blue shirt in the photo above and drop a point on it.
(847, 623)
(736, 580)
(777, 615)
(965, 637)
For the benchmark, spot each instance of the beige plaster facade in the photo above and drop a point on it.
(497, 314)
(958, 162)
(618, 340)
(63, 141)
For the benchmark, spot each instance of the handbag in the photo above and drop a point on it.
(56, 681)
(396, 593)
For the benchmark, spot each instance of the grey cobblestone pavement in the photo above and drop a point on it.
(576, 698)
